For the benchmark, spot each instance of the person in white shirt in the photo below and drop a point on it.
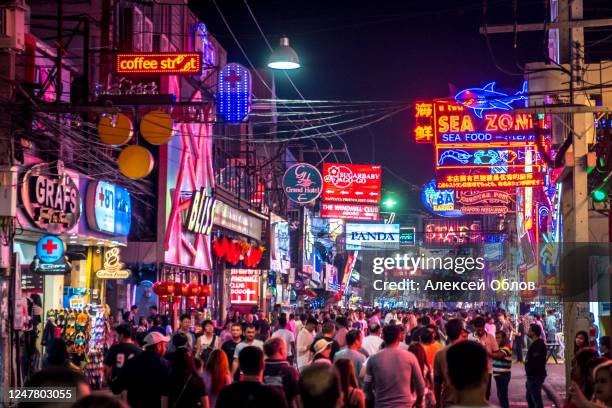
(208, 341)
(287, 337)
(371, 344)
(249, 340)
(304, 340)
(363, 324)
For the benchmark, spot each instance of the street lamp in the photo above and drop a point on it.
(389, 203)
(284, 57)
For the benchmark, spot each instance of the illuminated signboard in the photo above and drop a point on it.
(485, 202)
(459, 231)
(495, 157)
(448, 180)
(351, 183)
(201, 210)
(50, 259)
(487, 98)
(109, 208)
(302, 183)
(113, 267)
(407, 236)
(359, 212)
(234, 93)
(439, 201)
(372, 236)
(174, 63)
(424, 129)
(456, 124)
(244, 286)
(51, 198)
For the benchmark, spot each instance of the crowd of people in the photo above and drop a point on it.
(333, 358)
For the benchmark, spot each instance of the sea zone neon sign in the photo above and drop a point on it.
(181, 63)
(455, 124)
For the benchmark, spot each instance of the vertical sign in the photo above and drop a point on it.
(234, 93)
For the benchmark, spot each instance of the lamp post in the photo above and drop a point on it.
(284, 57)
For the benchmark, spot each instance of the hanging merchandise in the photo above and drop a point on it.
(135, 162)
(94, 369)
(157, 127)
(115, 129)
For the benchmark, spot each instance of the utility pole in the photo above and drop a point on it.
(575, 198)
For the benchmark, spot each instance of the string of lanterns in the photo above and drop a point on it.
(173, 292)
(233, 251)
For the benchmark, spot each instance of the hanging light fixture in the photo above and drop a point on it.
(284, 57)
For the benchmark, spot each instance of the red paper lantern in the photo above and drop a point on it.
(194, 289)
(191, 301)
(172, 290)
(163, 298)
(160, 288)
(182, 289)
(204, 290)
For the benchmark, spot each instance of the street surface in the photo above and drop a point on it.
(555, 382)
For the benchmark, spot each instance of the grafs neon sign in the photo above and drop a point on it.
(182, 63)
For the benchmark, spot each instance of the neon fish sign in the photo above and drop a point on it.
(487, 98)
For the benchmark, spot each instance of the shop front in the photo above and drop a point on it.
(281, 276)
(67, 249)
(239, 283)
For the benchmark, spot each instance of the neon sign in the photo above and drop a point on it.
(234, 93)
(423, 131)
(455, 124)
(467, 157)
(175, 63)
(485, 202)
(440, 202)
(487, 98)
(452, 231)
(502, 180)
(351, 183)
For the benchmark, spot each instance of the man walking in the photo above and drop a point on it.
(372, 342)
(487, 340)
(445, 393)
(392, 375)
(287, 337)
(146, 376)
(304, 341)
(535, 367)
(351, 351)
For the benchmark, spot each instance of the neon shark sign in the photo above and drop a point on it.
(487, 98)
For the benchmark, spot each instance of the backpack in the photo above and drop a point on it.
(206, 352)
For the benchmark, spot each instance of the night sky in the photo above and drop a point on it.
(386, 50)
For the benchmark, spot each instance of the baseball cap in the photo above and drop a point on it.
(320, 345)
(154, 338)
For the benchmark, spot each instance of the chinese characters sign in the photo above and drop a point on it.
(485, 202)
(351, 183)
(503, 180)
(423, 130)
(181, 63)
(244, 286)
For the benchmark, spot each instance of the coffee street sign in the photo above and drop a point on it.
(113, 267)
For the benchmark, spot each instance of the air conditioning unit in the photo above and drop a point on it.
(12, 25)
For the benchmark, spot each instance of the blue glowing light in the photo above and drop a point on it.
(487, 98)
(234, 93)
(440, 202)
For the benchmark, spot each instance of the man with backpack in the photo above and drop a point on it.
(207, 342)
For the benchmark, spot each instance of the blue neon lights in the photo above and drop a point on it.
(487, 98)
(234, 93)
(440, 202)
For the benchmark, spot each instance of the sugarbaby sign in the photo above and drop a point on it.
(351, 183)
